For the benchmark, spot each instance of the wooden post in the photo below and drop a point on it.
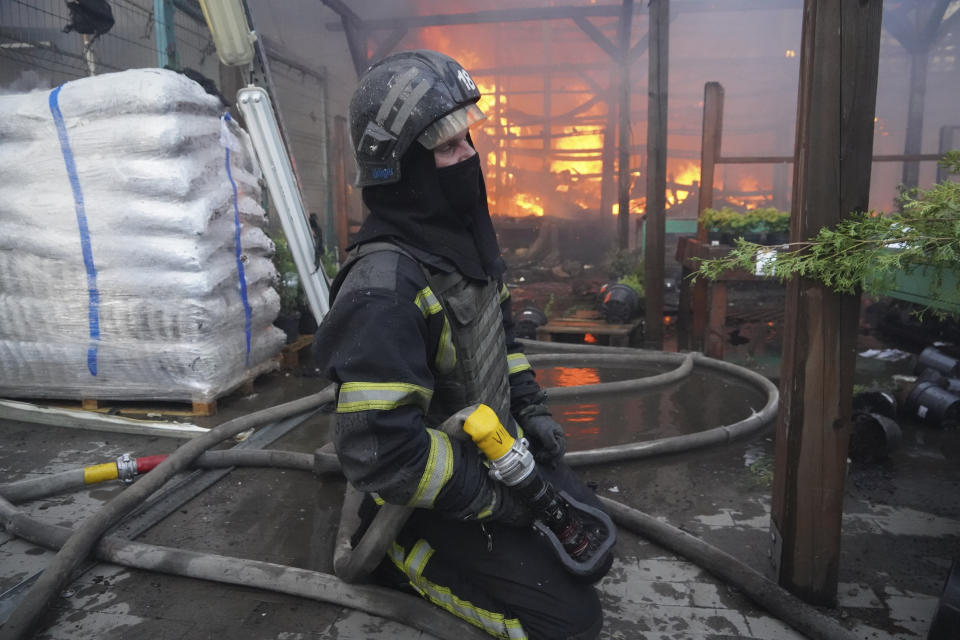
(913, 140)
(623, 168)
(709, 154)
(547, 132)
(709, 148)
(716, 320)
(655, 218)
(836, 103)
(608, 155)
(340, 184)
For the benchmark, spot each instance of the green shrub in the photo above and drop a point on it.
(728, 220)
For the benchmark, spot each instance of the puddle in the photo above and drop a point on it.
(701, 401)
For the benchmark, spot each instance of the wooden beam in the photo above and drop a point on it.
(597, 36)
(655, 227)
(558, 13)
(840, 51)
(623, 129)
(709, 154)
(391, 41)
(608, 187)
(491, 16)
(355, 32)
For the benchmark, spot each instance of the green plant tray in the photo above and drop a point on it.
(920, 286)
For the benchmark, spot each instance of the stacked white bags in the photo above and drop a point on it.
(133, 264)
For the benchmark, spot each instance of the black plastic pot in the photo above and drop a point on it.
(874, 437)
(875, 401)
(778, 237)
(934, 405)
(933, 358)
(620, 303)
(932, 375)
(526, 321)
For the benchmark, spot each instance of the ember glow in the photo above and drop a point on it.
(544, 137)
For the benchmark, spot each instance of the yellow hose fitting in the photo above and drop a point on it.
(483, 426)
(100, 473)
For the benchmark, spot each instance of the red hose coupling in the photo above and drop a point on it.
(147, 463)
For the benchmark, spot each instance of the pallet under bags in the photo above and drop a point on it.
(133, 262)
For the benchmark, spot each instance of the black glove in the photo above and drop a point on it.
(509, 509)
(547, 437)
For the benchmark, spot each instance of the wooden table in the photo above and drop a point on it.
(704, 331)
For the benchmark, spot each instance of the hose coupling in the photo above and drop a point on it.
(126, 468)
(515, 465)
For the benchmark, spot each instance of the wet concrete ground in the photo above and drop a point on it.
(901, 527)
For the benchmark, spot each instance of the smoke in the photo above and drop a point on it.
(27, 82)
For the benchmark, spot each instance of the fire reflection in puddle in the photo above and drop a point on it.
(699, 402)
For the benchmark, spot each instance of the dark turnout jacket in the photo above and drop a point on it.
(384, 342)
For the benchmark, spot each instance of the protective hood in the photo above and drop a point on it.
(440, 211)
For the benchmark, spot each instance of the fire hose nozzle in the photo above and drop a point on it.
(582, 536)
(510, 459)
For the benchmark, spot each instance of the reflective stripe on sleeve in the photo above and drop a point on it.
(504, 293)
(446, 358)
(427, 302)
(438, 470)
(517, 362)
(368, 396)
(496, 624)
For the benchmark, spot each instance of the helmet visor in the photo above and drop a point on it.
(450, 125)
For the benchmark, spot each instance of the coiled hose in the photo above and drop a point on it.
(356, 562)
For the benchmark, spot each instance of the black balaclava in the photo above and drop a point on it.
(441, 211)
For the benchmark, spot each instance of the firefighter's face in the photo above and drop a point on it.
(453, 151)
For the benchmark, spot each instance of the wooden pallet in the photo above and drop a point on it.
(290, 354)
(164, 408)
(617, 335)
(161, 408)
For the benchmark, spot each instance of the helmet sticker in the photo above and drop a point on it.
(400, 83)
(466, 80)
(409, 104)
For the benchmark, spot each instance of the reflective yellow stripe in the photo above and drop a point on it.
(413, 565)
(504, 293)
(446, 358)
(377, 499)
(368, 396)
(416, 561)
(517, 362)
(489, 508)
(438, 470)
(100, 473)
(427, 302)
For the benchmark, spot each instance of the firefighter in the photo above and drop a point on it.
(420, 328)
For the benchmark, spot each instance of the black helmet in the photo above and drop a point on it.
(413, 95)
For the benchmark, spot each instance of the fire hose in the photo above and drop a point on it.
(75, 546)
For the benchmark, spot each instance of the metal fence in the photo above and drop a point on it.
(35, 48)
(36, 53)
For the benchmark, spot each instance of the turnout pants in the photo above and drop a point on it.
(505, 580)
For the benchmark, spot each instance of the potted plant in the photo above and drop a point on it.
(726, 225)
(288, 288)
(915, 251)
